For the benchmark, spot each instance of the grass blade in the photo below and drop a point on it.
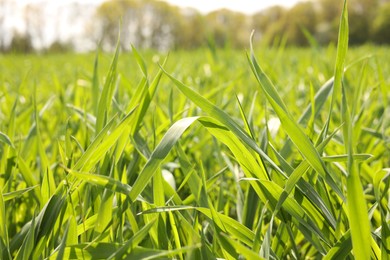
(161, 151)
(294, 131)
(4, 242)
(107, 93)
(6, 140)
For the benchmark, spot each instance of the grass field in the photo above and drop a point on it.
(281, 154)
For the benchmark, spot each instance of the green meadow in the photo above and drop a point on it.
(268, 153)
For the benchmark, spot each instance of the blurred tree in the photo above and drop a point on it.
(156, 24)
(263, 21)
(160, 21)
(228, 28)
(109, 15)
(146, 24)
(59, 47)
(381, 25)
(361, 13)
(292, 23)
(190, 31)
(21, 43)
(328, 20)
(301, 16)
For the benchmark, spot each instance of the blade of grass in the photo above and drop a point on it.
(222, 117)
(240, 248)
(6, 140)
(107, 93)
(61, 248)
(161, 151)
(102, 143)
(140, 61)
(137, 238)
(28, 245)
(4, 240)
(356, 203)
(105, 212)
(342, 47)
(17, 193)
(95, 85)
(304, 145)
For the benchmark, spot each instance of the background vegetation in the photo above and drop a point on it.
(158, 25)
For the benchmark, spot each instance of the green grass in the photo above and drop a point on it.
(86, 140)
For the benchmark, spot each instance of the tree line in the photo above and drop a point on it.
(159, 25)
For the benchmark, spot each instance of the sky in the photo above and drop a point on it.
(204, 6)
(245, 6)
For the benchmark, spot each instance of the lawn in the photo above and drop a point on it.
(274, 153)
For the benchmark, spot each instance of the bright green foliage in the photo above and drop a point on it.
(85, 159)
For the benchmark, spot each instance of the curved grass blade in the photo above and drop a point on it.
(161, 151)
(102, 143)
(357, 208)
(232, 226)
(342, 47)
(46, 221)
(6, 140)
(342, 249)
(93, 146)
(102, 181)
(297, 136)
(105, 211)
(4, 240)
(95, 84)
(126, 249)
(93, 250)
(224, 118)
(240, 248)
(27, 247)
(266, 190)
(17, 193)
(140, 61)
(107, 93)
(62, 245)
(319, 100)
(147, 97)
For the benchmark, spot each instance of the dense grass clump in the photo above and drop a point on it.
(283, 153)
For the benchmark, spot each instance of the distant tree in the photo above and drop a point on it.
(328, 21)
(361, 14)
(21, 43)
(300, 17)
(108, 21)
(156, 24)
(263, 20)
(159, 20)
(147, 23)
(190, 30)
(381, 25)
(291, 24)
(59, 47)
(228, 28)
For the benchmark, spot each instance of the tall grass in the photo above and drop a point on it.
(86, 155)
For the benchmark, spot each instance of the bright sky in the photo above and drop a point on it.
(245, 6)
